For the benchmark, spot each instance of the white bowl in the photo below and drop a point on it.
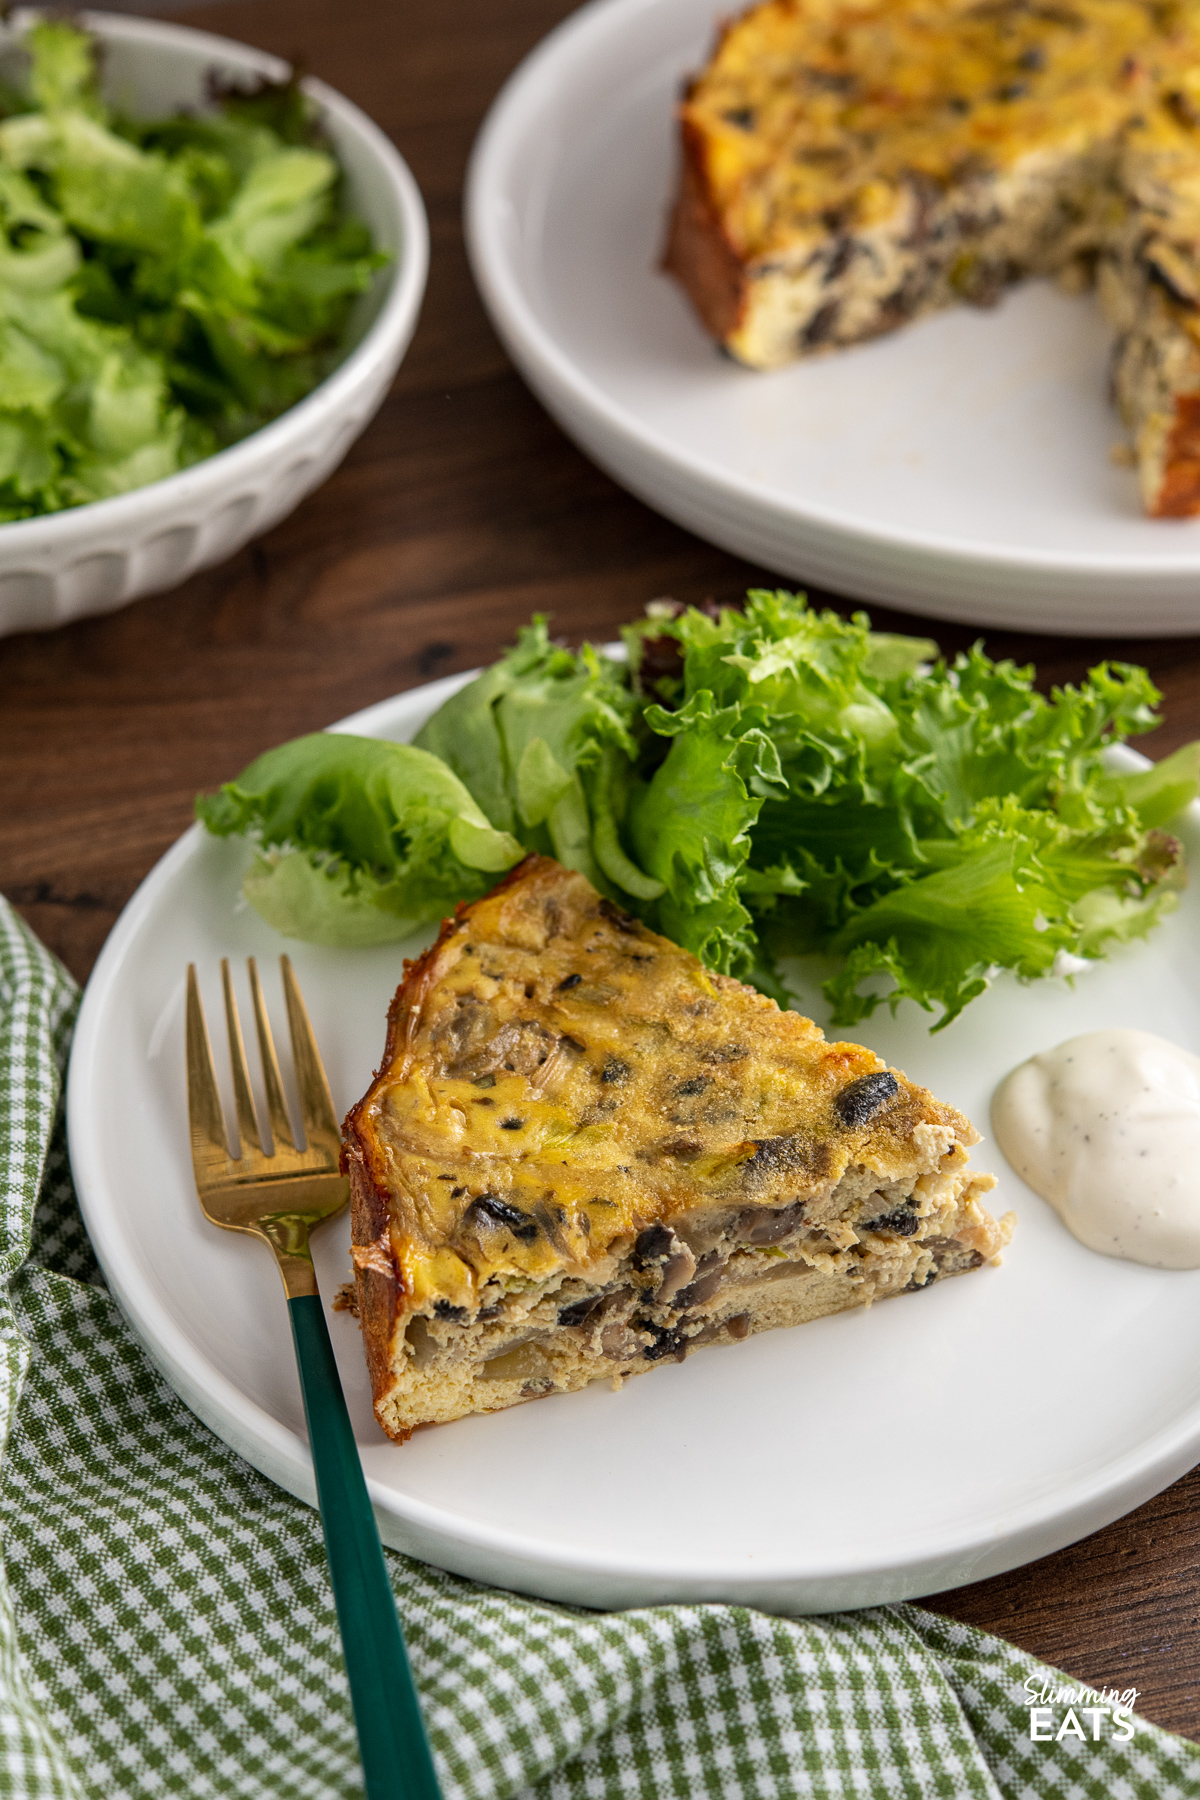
(90, 559)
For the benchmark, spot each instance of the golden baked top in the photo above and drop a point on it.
(557, 1077)
(812, 114)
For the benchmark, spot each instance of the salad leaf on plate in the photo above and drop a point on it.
(543, 741)
(358, 841)
(773, 782)
(934, 822)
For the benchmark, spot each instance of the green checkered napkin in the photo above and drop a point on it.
(166, 1624)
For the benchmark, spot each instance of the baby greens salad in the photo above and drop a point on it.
(759, 784)
(166, 286)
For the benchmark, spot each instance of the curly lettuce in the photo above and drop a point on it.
(766, 783)
(775, 781)
(929, 822)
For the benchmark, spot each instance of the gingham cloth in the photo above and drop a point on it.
(166, 1623)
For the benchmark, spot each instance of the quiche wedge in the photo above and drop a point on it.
(852, 164)
(584, 1155)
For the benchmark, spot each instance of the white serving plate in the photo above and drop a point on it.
(91, 559)
(868, 1457)
(958, 468)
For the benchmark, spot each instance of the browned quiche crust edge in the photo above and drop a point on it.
(1179, 493)
(377, 1279)
(698, 253)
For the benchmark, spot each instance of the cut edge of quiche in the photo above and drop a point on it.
(849, 165)
(584, 1154)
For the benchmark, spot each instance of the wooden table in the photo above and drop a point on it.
(461, 511)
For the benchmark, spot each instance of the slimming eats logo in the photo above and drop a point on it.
(1091, 1713)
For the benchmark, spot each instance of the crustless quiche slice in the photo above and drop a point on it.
(851, 164)
(585, 1154)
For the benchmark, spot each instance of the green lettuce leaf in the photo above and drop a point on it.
(1159, 794)
(361, 841)
(690, 827)
(941, 937)
(757, 784)
(62, 69)
(165, 286)
(533, 738)
(926, 824)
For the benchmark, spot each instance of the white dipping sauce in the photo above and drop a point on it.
(1107, 1129)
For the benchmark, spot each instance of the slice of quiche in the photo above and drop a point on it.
(848, 165)
(585, 1154)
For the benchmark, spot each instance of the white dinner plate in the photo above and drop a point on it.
(935, 1439)
(959, 467)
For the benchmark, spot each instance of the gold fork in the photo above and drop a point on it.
(284, 1196)
(281, 1196)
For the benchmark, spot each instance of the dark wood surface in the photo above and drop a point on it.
(462, 510)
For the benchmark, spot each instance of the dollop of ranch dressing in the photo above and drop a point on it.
(1107, 1129)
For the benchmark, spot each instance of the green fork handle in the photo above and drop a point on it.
(391, 1733)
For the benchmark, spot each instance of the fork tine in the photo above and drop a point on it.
(316, 1101)
(247, 1118)
(204, 1098)
(281, 1129)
